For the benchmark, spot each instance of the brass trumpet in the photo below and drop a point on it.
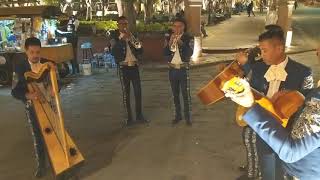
(133, 40)
(136, 43)
(174, 44)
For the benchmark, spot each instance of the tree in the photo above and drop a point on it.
(148, 10)
(120, 4)
(130, 13)
(126, 8)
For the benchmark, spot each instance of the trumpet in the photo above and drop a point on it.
(174, 43)
(134, 41)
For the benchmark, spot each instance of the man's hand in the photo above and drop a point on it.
(124, 36)
(242, 57)
(277, 95)
(180, 42)
(52, 65)
(244, 98)
(33, 96)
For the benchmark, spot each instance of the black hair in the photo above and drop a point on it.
(121, 18)
(273, 27)
(272, 32)
(182, 21)
(32, 41)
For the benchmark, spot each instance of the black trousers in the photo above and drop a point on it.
(179, 81)
(38, 142)
(261, 158)
(127, 75)
(270, 164)
(74, 62)
(249, 138)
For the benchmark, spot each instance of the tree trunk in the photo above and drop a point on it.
(149, 10)
(120, 7)
(138, 7)
(130, 13)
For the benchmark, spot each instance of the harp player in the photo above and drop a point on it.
(20, 92)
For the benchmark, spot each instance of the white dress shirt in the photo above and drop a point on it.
(129, 56)
(176, 58)
(275, 75)
(35, 67)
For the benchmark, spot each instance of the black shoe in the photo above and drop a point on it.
(141, 119)
(175, 121)
(242, 168)
(244, 177)
(130, 123)
(189, 122)
(40, 172)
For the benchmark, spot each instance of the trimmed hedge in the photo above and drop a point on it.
(101, 25)
(141, 26)
(153, 27)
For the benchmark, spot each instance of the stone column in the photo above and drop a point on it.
(193, 18)
(285, 8)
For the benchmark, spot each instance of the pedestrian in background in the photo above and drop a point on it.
(250, 9)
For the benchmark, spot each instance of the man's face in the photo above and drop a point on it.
(33, 53)
(178, 27)
(271, 51)
(69, 29)
(123, 25)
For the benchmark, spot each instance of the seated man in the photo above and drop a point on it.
(298, 146)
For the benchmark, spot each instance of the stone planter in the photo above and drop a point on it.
(153, 43)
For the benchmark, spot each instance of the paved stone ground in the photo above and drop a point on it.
(241, 31)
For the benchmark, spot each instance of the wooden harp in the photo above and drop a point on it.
(62, 151)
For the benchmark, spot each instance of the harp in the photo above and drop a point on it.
(62, 151)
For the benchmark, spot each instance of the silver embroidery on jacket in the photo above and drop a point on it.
(308, 82)
(308, 121)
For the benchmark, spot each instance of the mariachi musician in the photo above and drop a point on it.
(274, 72)
(20, 92)
(126, 49)
(178, 51)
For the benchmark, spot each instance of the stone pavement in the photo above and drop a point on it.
(242, 32)
(238, 32)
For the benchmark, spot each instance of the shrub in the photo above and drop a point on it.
(101, 25)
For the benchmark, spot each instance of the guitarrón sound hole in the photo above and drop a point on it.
(48, 130)
(73, 151)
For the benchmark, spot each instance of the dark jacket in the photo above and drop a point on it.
(185, 50)
(299, 147)
(119, 47)
(20, 90)
(299, 76)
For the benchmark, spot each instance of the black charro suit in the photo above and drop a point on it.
(179, 77)
(128, 74)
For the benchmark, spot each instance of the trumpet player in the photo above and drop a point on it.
(127, 49)
(178, 51)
